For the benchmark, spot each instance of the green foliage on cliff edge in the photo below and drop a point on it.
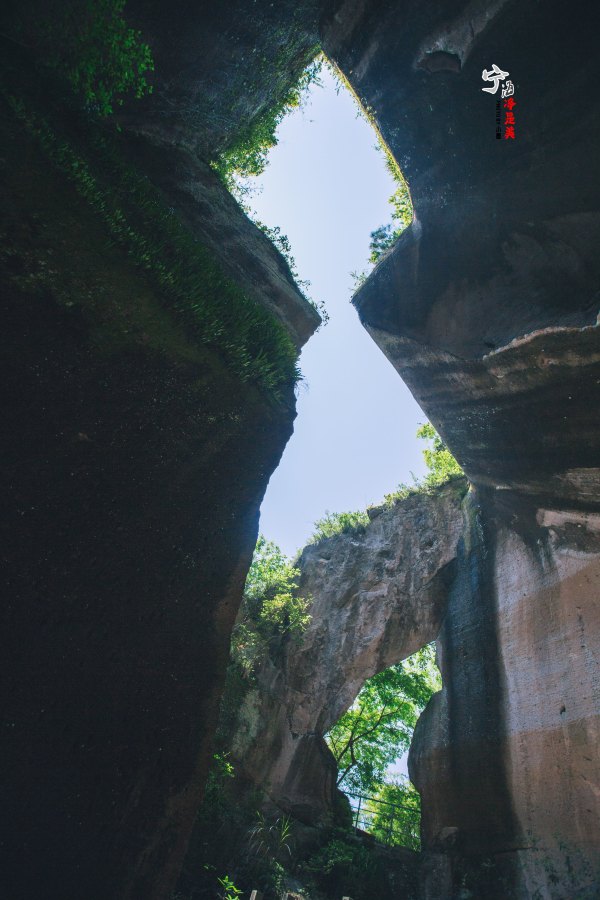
(247, 157)
(191, 286)
(90, 44)
(441, 468)
(271, 607)
(247, 154)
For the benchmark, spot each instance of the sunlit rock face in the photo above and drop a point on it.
(378, 596)
(488, 307)
(504, 755)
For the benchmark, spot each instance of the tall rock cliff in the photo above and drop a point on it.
(376, 597)
(487, 307)
(136, 452)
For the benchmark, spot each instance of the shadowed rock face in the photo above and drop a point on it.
(377, 596)
(503, 756)
(134, 464)
(487, 305)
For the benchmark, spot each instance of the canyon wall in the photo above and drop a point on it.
(135, 459)
(487, 307)
(376, 597)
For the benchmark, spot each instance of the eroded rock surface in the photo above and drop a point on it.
(487, 306)
(134, 464)
(378, 596)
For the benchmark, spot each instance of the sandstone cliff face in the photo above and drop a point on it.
(506, 772)
(134, 464)
(487, 307)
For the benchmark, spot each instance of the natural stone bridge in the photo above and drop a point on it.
(377, 597)
(484, 580)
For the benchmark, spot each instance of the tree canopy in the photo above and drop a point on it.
(396, 814)
(378, 727)
(372, 735)
(270, 607)
(441, 465)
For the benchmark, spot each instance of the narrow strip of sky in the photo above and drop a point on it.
(327, 187)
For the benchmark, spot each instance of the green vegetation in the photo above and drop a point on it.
(232, 833)
(86, 50)
(232, 836)
(271, 608)
(441, 465)
(271, 838)
(255, 345)
(396, 818)
(90, 45)
(402, 211)
(282, 243)
(338, 523)
(378, 727)
(247, 156)
(344, 865)
(372, 734)
(228, 888)
(400, 201)
(101, 56)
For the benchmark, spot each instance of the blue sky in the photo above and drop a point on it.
(327, 187)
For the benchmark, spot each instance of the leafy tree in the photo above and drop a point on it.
(440, 463)
(384, 236)
(271, 606)
(396, 818)
(441, 466)
(379, 725)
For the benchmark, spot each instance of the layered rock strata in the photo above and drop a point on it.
(135, 463)
(487, 307)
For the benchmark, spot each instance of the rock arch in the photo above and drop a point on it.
(378, 596)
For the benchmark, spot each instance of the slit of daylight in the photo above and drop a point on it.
(327, 187)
